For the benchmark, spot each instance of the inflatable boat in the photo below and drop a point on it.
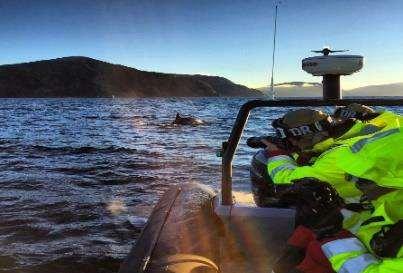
(194, 229)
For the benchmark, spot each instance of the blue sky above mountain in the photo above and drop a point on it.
(232, 39)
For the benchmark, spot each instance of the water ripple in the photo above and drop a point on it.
(79, 177)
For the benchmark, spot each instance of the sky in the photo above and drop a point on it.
(232, 39)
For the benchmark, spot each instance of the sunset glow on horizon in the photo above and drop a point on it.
(231, 39)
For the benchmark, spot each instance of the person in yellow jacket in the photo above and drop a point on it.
(354, 120)
(361, 121)
(373, 157)
(367, 115)
(378, 245)
(308, 129)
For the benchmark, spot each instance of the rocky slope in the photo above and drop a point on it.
(86, 77)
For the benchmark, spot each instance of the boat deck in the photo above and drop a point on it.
(253, 237)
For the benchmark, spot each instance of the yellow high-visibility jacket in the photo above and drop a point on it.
(355, 255)
(375, 157)
(386, 120)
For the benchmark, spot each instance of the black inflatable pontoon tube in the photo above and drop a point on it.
(180, 236)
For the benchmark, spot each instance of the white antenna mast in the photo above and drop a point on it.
(272, 93)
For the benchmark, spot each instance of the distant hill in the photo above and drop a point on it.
(296, 89)
(393, 89)
(87, 77)
(312, 89)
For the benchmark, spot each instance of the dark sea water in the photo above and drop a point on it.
(79, 177)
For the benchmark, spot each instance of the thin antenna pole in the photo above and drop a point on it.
(274, 50)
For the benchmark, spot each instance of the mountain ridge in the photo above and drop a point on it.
(314, 89)
(79, 76)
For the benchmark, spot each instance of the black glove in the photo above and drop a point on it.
(317, 204)
(371, 190)
(256, 142)
(306, 158)
(388, 241)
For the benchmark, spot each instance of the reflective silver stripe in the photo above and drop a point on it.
(358, 264)
(280, 157)
(354, 229)
(346, 213)
(336, 247)
(369, 129)
(362, 142)
(348, 200)
(281, 168)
